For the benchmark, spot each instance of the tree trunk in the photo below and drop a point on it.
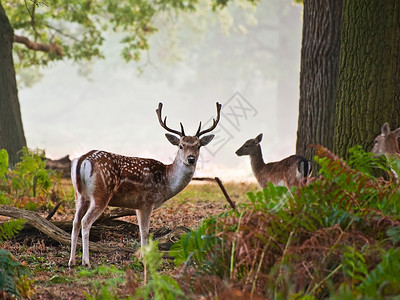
(369, 76)
(318, 76)
(12, 136)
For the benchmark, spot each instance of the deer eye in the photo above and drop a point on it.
(180, 147)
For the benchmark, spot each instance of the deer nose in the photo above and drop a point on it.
(191, 160)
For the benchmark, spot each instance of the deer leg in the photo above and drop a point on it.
(90, 217)
(81, 207)
(143, 216)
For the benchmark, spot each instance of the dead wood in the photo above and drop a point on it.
(52, 231)
(53, 211)
(167, 239)
(221, 186)
(114, 213)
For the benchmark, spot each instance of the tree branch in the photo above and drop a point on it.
(52, 47)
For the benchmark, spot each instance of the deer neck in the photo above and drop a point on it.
(257, 161)
(179, 175)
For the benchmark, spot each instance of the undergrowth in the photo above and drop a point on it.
(30, 186)
(337, 237)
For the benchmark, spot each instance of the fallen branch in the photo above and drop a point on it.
(114, 213)
(52, 231)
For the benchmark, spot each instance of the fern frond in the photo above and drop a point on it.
(10, 228)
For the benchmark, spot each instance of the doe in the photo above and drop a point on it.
(386, 142)
(101, 178)
(291, 171)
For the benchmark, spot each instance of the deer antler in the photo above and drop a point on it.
(215, 122)
(164, 123)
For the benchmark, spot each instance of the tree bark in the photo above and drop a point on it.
(369, 76)
(318, 75)
(12, 136)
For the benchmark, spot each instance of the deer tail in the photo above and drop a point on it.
(305, 167)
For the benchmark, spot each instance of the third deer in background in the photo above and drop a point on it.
(386, 142)
(291, 171)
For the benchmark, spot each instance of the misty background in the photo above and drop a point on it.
(247, 58)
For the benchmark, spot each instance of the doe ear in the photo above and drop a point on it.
(172, 139)
(206, 139)
(385, 129)
(259, 138)
(397, 131)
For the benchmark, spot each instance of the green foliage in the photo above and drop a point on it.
(30, 176)
(13, 281)
(78, 27)
(3, 164)
(10, 228)
(194, 245)
(104, 289)
(160, 286)
(29, 185)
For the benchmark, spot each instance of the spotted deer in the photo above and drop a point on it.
(386, 142)
(291, 171)
(101, 178)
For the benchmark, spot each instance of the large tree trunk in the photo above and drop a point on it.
(318, 76)
(12, 136)
(369, 76)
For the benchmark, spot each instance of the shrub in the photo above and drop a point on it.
(333, 237)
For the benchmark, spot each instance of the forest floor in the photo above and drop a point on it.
(48, 260)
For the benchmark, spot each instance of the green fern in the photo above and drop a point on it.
(159, 287)
(384, 279)
(10, 228)
(354, 265)
(193, 246)
(10, 273)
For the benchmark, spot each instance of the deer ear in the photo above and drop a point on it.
(385, 130)
(397, 131)
(172, 139)
(259, 138)
(206, 139)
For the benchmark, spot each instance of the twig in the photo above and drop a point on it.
(53, 211)
(232, 204)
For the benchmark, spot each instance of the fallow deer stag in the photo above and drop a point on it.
(291, 171)
(386, 142)
(101, 178)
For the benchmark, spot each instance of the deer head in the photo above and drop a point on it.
(250, 146)
(386, 142)
(189, 146)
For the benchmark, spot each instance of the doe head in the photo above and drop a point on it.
(250, 146)
(189, 146)
(386, 142)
